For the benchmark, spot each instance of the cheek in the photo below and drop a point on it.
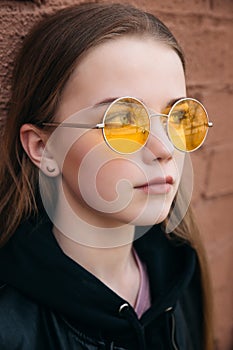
(176, 166)
(76, 153)
(98, 176)
(106, 180)
(117, 177)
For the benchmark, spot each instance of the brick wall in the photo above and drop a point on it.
(205, 30)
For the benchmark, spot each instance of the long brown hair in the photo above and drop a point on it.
(44, 64)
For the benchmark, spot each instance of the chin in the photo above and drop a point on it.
(148, 221)
(149, 216)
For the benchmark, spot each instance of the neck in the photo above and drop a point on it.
(101, 246)
(102, 262)
(115, 267)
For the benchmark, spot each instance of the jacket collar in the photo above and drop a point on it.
(33, 263)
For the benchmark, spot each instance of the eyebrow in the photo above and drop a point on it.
(111, 99)
(106, 100)
(174, 100)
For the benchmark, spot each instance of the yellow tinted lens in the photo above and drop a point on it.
(187, 124)
(126, 125)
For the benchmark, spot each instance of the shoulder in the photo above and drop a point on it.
(27, 325)
(18, 315)
(14, 305)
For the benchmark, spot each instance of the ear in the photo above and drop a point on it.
(33, 140)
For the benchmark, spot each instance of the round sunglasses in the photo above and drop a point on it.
(126, 124)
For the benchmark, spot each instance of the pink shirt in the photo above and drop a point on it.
(143, 301)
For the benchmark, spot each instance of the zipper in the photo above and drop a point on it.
(175, 347)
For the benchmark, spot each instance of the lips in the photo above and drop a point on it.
(158, 185)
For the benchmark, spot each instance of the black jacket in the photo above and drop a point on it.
(49, 302)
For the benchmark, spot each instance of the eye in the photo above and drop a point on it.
(122, 115)
(178, 116)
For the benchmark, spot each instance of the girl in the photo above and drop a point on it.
(92, 154)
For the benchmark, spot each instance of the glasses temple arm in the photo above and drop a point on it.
(75, 125)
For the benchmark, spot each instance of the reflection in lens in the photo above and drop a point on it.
(127, 125)
(187, 124)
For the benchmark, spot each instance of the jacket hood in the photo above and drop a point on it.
(34, 264)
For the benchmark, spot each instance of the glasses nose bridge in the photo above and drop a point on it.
(153, 114)
(162, 123)
(158, 134)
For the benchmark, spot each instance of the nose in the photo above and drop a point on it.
(158, 146)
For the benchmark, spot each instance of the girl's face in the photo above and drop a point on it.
(103, 187)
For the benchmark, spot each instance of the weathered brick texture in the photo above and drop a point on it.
(205, 30)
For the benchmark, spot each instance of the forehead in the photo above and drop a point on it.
(126, 66)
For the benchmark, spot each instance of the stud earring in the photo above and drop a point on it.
(49, 167)
(50, 170)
